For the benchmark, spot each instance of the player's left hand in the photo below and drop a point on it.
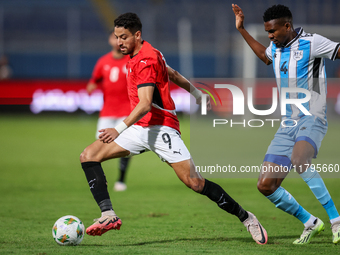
(108, 135)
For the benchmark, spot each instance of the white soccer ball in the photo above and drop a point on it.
(68, 230)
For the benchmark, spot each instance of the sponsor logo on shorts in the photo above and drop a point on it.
(178, 152)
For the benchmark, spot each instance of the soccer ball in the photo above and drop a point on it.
(68, 230)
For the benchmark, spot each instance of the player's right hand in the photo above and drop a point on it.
(239, 16)
(90, 88)
(108, 135)
(199, 101)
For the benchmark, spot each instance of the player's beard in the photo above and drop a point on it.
(129, 50)
(124, 53)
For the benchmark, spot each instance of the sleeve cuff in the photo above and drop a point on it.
(146, 85)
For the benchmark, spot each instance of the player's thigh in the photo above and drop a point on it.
(309, 137)
(302, 155)
(99, 152)
(107, 122)
(132, 140)
(280, 149)
(167, 143)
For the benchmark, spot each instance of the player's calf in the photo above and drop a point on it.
(217, 194)
(226, 203)
(267, 186)
(196, 184)
(186, 173)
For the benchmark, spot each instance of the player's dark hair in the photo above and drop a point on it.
(277, 12)
(129, 21)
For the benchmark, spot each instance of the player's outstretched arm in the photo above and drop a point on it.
(145, 95)
(182, 82)
(257, 47)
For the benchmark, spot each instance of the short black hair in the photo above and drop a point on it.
(129, 21)
(277, 12)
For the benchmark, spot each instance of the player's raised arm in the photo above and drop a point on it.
(257, 47)
(182, 82)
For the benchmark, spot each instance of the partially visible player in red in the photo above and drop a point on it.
(151, 125)
(110, 74)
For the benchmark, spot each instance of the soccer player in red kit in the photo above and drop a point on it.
(152, 125)
(110, 73)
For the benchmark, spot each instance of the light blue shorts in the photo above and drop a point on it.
(309, 128)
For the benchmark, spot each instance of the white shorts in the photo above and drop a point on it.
(108, 122)
(165, 141)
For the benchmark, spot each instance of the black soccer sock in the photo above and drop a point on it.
(123, 164)
(223, 200)
(98, 185)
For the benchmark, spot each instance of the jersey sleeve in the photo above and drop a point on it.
(97, 74)
(324, 48)
(147, 73)
(269, 52)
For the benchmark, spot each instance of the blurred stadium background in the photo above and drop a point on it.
(64, 38)
(61, 40)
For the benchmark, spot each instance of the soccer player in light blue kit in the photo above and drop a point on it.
(298, 62)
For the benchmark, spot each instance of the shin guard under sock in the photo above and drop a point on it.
(283, 200)
(318, 187)
(215, 193)
(98, 185)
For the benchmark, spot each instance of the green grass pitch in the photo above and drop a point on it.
(41, 180)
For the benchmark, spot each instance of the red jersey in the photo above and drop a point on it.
(148, 68)
(110, 73)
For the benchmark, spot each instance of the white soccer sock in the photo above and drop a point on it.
(335, 220)
(310, 222)
(109, 213)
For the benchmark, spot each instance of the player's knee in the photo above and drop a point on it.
(82, 157)
(85, 156)
(267, 186)
(196, 184)
(299, 163)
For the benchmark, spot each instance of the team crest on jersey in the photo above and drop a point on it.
(297, 55)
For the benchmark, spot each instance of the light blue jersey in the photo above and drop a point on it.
(301, 64)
